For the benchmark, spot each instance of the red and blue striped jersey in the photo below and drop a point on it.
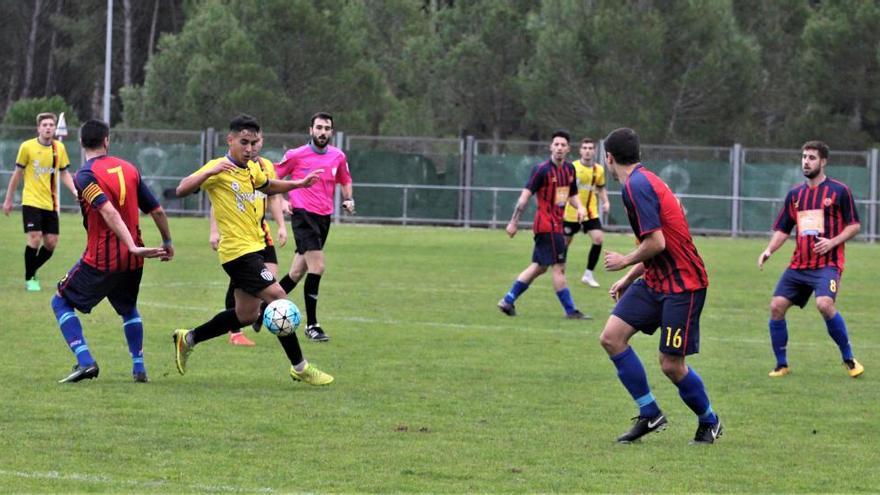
(821, 211)
(551, 185)
(107, 179)
(650, 206)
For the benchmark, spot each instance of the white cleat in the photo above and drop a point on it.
(588, 279)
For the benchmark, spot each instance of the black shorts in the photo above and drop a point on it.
(39, 220)
(269, 255)
(249, 273)
(572, 228)
(309, 230)
(85, 286)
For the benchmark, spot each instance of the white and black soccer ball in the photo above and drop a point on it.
(281, 317)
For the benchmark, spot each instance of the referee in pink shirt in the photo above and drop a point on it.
(312, 208)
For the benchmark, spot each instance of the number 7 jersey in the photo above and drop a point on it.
(107, 179)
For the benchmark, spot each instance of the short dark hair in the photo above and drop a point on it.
(561, 133)
(244, 122)
(92, 134)
(623, 144)
(587, 140)
(323, 116)
(819, 146)
(46, 115)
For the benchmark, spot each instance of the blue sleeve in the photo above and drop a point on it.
(88, 188)
(536, 178)
(146, 201)
(647, 205)
(848, 207)
(785, 220)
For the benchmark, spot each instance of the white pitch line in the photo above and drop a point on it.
(506, 328)
(102, 479)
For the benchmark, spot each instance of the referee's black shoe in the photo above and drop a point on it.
(642, 426)
(81, 373)
(316, 334)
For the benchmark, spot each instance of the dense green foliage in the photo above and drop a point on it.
(24, 112)
(683, 71)
(435, 390)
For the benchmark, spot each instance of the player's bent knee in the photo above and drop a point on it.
(673, 367)
(825, 305)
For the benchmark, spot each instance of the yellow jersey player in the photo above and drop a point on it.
(232, 183)
(264, 203)
(591, 187)
(41, 161)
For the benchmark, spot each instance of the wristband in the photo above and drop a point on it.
(166, 243)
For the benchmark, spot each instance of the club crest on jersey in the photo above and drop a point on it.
(266, 274)
(827, 202)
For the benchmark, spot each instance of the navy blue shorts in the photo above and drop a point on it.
(677, 316)
(549, 249)
(798, 285)
(85, 286)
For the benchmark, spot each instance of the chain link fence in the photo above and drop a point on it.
(469, 182)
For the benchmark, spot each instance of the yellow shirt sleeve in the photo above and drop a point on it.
(260, 178)
(22, 158)
(600, 172)
(210, 181)
(63, 159)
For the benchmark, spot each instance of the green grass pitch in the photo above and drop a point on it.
(435, 390)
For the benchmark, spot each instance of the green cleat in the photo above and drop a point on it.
(181, 349)
(311, 375)
(33, 285)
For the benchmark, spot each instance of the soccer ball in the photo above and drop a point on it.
(281, 317)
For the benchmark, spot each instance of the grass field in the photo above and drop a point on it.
(435, 390)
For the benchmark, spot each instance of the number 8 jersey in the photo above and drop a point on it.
(107, 179)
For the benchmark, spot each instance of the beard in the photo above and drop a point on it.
(320, 141)
(811, 174)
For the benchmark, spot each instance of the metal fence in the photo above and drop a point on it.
(474, 183)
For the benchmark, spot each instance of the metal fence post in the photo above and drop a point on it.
(469, 151)
(736, 154)
(405, 201)
(208, 151)
(873, 157)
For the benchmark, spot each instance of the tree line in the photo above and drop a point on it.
(708, 72)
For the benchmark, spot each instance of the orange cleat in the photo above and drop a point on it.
(239, 338)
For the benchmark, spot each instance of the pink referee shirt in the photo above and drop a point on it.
(299, 162)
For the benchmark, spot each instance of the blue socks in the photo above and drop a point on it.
(565, 299)
(632, 374)
(515, 291)
(72, 331)
(693, 393)
(134, 336)
(779, 340)
(837, 331)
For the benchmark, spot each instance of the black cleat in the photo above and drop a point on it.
(258, 325)
(577, 315)
(316, 334)
(140, 377)
(642, 426)
(507, 308)
(79, 373)
(707, 433)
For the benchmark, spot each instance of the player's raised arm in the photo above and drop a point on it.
(273, 186)
(114, 222)
(192, 183)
